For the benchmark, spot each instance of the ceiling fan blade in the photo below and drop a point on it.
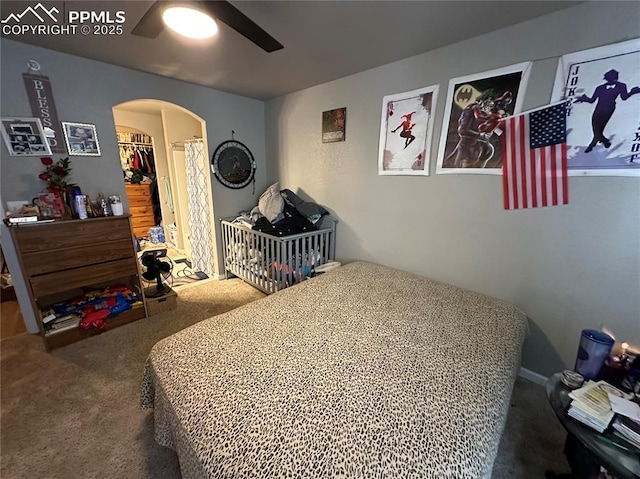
(151, 24)
(230, 15)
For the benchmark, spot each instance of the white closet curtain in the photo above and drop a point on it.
(202, 257)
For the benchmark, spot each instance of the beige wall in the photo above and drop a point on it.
(568, 268)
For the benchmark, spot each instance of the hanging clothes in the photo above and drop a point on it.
(136, 160)
(168, 195)
(155, 201)
(151, 161)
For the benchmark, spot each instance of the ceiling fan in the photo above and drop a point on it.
(151, 23)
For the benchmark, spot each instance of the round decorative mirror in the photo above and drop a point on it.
(233, 164)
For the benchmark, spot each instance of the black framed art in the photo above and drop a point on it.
(334, 125)
(233, 164)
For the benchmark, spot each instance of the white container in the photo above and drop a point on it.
(81, 206)
(116, 205)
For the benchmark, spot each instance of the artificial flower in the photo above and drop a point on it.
(56, 174)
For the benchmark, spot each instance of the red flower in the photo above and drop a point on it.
(56, 173)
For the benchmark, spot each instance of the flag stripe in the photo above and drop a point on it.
(505, 170)
(514, 172)
(554, 176)
(565, 178)
(534, 179)
(543, 170)
(524, 160)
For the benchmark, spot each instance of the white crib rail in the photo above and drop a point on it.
(272, 263)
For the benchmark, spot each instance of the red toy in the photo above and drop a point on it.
(95, 319)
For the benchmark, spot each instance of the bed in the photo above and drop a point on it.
(364, 371)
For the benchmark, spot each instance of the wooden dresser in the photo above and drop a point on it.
(60, 260)
(141, 208)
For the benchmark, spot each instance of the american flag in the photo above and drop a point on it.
(534, 158)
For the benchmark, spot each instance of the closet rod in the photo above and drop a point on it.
(134, 143)
(182, 142)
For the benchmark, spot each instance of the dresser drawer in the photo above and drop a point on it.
(143, 191)
(60, 281)
(40, 262)
(139, 201)
(143, 210)
(143, 221)
(141, 229)
(72, 234)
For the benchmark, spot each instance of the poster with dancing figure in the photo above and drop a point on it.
(602, 89)
(475, 105)
(406, 129)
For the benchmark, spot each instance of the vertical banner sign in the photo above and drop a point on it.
(43, 107)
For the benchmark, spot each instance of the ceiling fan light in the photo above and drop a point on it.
(190, 22)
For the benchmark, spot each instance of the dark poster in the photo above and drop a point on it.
(471, 137)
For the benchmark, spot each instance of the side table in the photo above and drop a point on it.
(621, 463)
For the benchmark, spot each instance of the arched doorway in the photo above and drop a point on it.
(180, 182)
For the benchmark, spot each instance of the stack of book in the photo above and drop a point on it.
(627, 429)
(54, 323)
(25, 219)
(18, 218)
(591, 405)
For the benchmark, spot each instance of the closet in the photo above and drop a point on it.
(165, 129)
(137, 158)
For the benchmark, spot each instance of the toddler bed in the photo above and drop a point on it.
(271, 263)
(364, 371)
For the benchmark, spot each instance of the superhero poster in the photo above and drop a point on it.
(406, 129)
(602, 86)
(470, 138)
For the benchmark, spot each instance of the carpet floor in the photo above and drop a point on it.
(73, 413)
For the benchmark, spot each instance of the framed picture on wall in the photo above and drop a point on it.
(470, 137)
(334, 125)
(81, 139)
(406, 128)
(25, 137)
(602, 89)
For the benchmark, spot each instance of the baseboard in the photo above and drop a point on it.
(533, 377)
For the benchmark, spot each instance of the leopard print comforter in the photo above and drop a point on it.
(363, 372)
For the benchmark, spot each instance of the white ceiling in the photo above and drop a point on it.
(323, 40)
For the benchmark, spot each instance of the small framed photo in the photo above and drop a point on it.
(81, 139)
(25, 137)
(333, 125)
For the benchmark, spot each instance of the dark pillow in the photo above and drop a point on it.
(311, 211)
